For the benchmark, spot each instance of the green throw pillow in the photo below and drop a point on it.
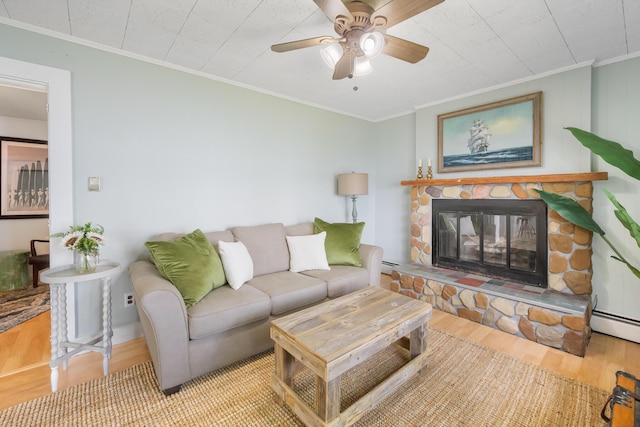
(189, 262)
(342, 242)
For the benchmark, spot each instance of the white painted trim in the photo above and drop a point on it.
(111, 49)
(615, 326)
(58, 84)
(127, 332)
(508, 84)
(617, 59)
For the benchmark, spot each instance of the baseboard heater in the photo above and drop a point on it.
(617, 326)
(388, 266)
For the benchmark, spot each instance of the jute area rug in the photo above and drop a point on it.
(464, 384)
(19, 306)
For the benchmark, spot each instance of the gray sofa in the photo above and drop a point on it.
(228, 325)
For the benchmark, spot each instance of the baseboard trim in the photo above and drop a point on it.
(387, 267)
(126, 332)
(615, 326)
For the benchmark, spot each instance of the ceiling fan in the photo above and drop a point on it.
(362, 32)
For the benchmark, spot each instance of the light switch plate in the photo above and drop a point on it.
(94, 183)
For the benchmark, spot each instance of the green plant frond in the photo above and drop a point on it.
(631, 267)
(610, 151)
(624, 218)
(570, 210)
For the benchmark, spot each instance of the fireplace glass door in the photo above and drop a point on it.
(502, 238)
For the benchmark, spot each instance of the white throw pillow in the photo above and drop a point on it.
(237, 263)
(307, 252)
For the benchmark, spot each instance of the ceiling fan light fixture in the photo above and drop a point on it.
(331, 54)
(362, 66)
(371, 43)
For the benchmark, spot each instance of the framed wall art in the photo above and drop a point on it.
(502, 134)
(24, 178)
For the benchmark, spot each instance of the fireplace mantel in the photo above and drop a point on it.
(558, 177)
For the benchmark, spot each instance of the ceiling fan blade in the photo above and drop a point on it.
(301, 44)
(397, 11)
(404, 49)
(333, 9)
(345, 66)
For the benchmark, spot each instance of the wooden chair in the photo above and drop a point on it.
(39, 262)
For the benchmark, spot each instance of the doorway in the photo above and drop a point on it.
(57, 85)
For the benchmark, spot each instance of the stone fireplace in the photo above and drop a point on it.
(557, 316)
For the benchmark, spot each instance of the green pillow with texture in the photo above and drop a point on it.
(189, 262)
(342, 242)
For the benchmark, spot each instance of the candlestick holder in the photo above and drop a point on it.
(429, 174)
(419, 173)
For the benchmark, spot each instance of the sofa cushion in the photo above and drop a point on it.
(341, 279)
(307, 252)
(290, 291)
(342, 242)
(302, 229)
(266, 245)
(238, 266)
(189, 262)
(225, 308)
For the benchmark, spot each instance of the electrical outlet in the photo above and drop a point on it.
(128, 300)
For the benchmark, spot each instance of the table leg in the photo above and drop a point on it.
(62, 330)
(418, 342)
(106, 323)
(284, 367)
(327, 398)
(54, 313)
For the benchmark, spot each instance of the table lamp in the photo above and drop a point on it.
(354, 185)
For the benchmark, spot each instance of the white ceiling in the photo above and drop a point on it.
(474, 44)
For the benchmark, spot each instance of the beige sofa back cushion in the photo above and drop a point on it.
(267, 246)
(302, 229)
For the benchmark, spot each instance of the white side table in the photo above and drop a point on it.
(61, 348)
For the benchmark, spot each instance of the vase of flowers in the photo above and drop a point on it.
(85, 242)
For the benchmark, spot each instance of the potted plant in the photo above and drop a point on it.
(618, 156)
(85, 242)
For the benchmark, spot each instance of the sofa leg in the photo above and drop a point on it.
(171, 390)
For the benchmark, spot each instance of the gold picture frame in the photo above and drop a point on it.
(498, 135)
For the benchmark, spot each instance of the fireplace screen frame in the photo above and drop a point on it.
(509, 208)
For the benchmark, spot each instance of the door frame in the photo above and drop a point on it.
(61, 206)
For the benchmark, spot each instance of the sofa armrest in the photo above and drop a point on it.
(372, 261)
(163, 316)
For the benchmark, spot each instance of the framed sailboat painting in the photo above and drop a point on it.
(502, 134)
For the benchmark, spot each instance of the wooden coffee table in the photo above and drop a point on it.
(337, 335)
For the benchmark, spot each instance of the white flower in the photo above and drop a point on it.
(86, 238)
(98, 238)
(71, 240)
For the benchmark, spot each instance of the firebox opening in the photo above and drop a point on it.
(506, 239)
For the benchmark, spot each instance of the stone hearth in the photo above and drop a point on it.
(558, 316)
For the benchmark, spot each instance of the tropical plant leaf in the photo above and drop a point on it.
(624, 218)
(631, 267)
(570, 210)
(610, 151)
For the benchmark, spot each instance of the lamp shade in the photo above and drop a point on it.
(353, 184)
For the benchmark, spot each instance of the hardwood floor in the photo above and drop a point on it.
(25, 345)
(29, 342)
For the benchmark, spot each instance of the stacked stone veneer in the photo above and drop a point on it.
(569, 246)
(569, 261)
(554, 328)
